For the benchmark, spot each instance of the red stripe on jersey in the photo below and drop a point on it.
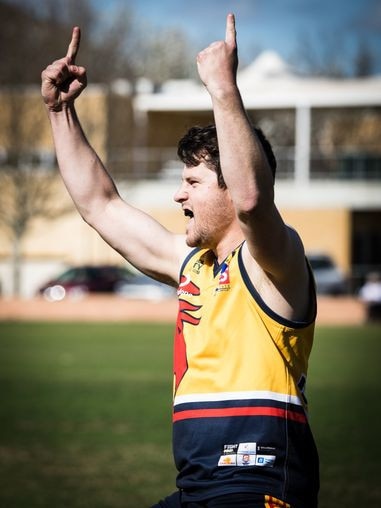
(239, 411)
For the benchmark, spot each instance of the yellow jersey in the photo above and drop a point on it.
(240, 412)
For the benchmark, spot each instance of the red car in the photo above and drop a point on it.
(79, 281)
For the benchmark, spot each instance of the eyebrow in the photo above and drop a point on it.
(193, 175)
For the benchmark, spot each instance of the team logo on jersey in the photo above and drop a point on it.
(185, 315)
(197, 266)
(224, 279)
(224, 275)
(187, 287)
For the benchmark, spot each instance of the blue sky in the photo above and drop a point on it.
(267, 24)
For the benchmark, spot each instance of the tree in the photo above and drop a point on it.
(33, 34)
(314, 56)
(119, 46)
(28, 189)
(166, 55)
(363, 61)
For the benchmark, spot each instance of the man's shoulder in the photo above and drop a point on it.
(196, 255)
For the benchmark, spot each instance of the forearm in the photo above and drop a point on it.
(84, 175)
(244, 164)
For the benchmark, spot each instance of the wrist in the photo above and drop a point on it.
(62, 116)
(225, 95)
(59, 108)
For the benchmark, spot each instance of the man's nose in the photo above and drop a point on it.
(180, 195)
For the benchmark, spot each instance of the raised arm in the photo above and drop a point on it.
(137, 236)
(272, 246)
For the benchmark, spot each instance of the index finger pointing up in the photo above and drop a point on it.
(74, 44)
(230, 37)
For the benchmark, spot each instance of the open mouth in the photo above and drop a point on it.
(188, 213)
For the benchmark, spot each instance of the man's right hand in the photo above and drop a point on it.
(63, 81)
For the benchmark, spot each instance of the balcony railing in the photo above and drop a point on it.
(162, 163)
(349, 166)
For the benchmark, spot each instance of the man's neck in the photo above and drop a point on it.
(227, 245)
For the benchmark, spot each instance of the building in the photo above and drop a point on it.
(326, 134)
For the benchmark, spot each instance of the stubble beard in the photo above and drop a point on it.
(198, 237)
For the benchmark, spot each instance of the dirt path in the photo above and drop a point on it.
(111, 308)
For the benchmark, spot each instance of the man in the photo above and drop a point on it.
(246, 296)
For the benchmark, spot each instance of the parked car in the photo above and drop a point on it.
(79, 281)
(143, 287)
(329, 279)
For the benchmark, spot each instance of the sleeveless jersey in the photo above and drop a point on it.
(240, 414)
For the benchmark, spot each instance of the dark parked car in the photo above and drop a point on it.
(329, 279)
(79, 281)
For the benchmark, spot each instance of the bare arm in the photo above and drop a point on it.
(137, 236)
(272, 246)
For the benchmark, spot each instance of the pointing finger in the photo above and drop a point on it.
(74, 45)
(230, 37)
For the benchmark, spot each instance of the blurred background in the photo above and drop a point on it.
(310, 76)
(85, 409)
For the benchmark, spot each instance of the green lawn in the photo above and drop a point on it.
(85, 416)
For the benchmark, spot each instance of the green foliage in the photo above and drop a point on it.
(85, 414)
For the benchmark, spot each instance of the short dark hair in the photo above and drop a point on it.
(200, 144)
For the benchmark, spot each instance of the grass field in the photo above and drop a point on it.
(85, 417)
